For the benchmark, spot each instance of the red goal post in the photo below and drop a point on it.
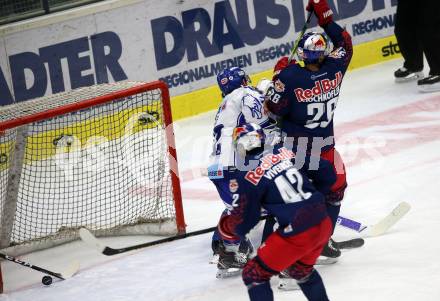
(101, 157)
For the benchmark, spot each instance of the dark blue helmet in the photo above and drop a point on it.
(232, 78)
(312, 47)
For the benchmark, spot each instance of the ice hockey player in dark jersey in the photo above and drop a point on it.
(305, 97)
(241, 104)
(275, 180)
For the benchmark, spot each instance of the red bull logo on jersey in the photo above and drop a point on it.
(323, 90)
(269, 160)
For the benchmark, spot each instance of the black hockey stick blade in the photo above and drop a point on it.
(87, 237)
(69, 272)
(350, 244)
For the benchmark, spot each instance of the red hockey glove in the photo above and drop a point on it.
(322, 11)
(280, 65)
(335, 197)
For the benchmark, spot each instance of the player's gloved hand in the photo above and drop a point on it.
(322, 11)
(280, 65)
(263, 85)
(335, 197)
(273, 134)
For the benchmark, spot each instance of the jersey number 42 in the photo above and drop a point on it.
(290, 186)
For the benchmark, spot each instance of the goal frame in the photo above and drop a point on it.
(108, 97)
(1, 279)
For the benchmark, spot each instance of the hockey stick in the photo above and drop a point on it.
(301, 34)
(87, 237)
(381, 226)
(73, 268)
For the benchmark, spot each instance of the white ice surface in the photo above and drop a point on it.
(400, 163)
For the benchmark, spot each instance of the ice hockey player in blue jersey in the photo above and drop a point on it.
(305, 97)
(241, 104)
(277, 180)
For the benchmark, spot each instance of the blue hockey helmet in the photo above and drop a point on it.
(230, 79)
(313, 47)
(248, 137)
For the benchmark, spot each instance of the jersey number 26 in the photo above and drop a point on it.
(317, 110)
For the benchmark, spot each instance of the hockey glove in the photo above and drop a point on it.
(335, 197)
(263, 85)
(322, 11)
(280, 65)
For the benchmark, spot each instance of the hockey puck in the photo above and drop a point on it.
(46, 280)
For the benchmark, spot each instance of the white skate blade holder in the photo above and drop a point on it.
(413, 77)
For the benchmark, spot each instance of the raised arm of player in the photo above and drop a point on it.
(341, 39)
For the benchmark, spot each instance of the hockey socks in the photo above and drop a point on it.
(260, 291)
(313, 287)
(256, 276)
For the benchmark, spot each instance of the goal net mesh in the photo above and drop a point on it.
(104, 166)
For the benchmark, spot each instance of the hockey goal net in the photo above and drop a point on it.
(101, 157)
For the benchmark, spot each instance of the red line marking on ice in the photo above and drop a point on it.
(405, 115)
(397, 171)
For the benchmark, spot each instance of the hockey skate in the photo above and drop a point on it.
(246, 248)
(404, 75)
(215, 245)
(231, 263)
(330, 253)
(429, 84)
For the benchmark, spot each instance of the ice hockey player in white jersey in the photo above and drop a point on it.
(241, 104)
